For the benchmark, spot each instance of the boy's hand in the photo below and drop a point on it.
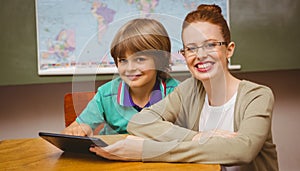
(78, 129)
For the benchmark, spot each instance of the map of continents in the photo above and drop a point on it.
(75, 33)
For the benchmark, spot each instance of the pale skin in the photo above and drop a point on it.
(139, 73)
(210, 68)
(218, 82)
(129, 149)
(78, 129)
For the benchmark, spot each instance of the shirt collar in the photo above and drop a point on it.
(158, 93)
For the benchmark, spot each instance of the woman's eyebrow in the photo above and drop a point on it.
(208, 40)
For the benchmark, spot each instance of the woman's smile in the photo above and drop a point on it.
(204, 66)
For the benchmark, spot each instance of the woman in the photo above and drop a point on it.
(211, 118)
(141, 51)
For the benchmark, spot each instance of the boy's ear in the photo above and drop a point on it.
(230, 49)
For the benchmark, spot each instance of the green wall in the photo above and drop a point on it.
(267, 34)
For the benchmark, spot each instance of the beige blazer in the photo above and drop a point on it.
(170, 125)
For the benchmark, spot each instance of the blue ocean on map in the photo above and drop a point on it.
(78, 33)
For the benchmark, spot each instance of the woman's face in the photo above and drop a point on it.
(137, 70)
(206, 53)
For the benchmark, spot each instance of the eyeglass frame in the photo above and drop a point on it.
(196, 50)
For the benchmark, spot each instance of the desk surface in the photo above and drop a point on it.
(36, 154)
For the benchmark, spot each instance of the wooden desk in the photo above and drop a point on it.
(37, 154)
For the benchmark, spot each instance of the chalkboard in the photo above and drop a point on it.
(266, 34)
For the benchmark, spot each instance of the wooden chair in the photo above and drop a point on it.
(74, 103)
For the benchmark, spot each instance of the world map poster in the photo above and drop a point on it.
(74, 36)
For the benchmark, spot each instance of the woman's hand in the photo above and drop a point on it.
(129, 149)
(78, 129)
(214, 133)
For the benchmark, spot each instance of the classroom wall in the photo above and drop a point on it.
(266, 35)
(27, 109)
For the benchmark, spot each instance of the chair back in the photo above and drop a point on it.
(74, 103)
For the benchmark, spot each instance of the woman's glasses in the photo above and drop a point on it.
(192, 50)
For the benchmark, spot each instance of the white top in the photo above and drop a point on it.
(217, 118)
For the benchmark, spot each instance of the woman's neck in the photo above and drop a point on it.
(220, 90)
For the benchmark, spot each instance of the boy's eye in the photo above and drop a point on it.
(122, 60)
(140, 59)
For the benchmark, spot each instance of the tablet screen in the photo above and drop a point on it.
(71, 143)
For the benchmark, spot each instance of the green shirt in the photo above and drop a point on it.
(106, 108)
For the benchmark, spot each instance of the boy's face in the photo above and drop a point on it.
(137, 70)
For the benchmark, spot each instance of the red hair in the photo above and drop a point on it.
(211, 14)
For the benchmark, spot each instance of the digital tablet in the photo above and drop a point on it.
(71, 143)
